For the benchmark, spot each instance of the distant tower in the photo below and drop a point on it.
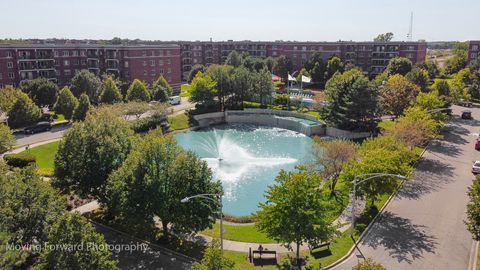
(410, 29)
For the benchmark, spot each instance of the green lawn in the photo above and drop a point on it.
(244, 233)
(184, 90)
(45, 155)
(57, 117)
(384, 124)
(178, 122)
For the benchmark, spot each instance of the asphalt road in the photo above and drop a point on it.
(423, 226)
(57, 131)
(132, 254)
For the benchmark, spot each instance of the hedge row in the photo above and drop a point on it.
(19, 160)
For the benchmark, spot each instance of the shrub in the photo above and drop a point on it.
(146, 124)
(19, 160)
(249, 104)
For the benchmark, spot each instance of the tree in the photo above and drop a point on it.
(161, 89)
(85, 81)
(7, 140)
(202, 89)
(23, 112)
(74, 230)
(143, 192)
(65, 103)
(442, 87)
(318, 73)
(129, 109)
(195, 69)
(82, 108)
(294, 211)
(41, 90)
(222, 75)
(332, 155)
(397, 94)
(282, 67)
(302, 72)
(213, 259)
(262, 84)
(28, 206)
(109, 91)
(429, 101)
(381, 154)
(419, 77)
(473, 209)
(270, 63)
(334, 65)
(8, 96)
(368, 264)
(138, 91)
(352, 101)
(459, 85)
(90, 151)
(233, 59)
(399, 65)
(242, 86)
(415, 128)
(387, 37)
(432, 68)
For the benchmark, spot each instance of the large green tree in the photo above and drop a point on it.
(90, 253)
(153, 180)
(195, 69)
(41, 90)
(294, 211)
(8, 96)
(242, 80)
(138, 91)
(161, 90)
(28, 206)
(397, 94)
(419, 77)
(90, 151)
(203, 89)
(334, 65)
(23, 112)
(7, 140)
(109, 91)
(85, 81)
(82, 108)
(222, 75)
(262, 85)
(399, 65)
(234, 59)
(66, 103)
(352, 101)
(386, 37)
(213, 259)
(282, 67)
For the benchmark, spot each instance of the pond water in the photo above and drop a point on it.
(247, 158)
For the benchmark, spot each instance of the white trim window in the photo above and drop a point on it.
(9, 64)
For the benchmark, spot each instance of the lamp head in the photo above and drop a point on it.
(185, 200)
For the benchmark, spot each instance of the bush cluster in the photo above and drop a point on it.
(19, 160)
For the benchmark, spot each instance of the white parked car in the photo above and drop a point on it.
(175, 100)
(476, 167)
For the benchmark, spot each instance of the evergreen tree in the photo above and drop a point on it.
(66, 103)
(138, 91)
(23, 112)
(82, 108)
(109, 91)
(85, 81)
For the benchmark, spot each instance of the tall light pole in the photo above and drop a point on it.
(214, 198)
(369, 176)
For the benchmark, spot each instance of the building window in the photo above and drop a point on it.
(160, 62)
(473, 55)
(152, 73)
(1, 76)
(82, 53)
(160, 52)
(474, 48)
(11, 75)
(152, 63)
(169, 61)
(169, 70)
(144, 53)
(66, 63)
(66, 53)
(10, 64)
(55, 53)
(194, 60)
(144, 63)
(76, 62)
(153, 53)
(83, 62)
(9, 54)
(168, 53)
(274, 53)
(67, 72)
(145, 73)
(295, 48)
(126, 64)
(161, 71)
(75, 53)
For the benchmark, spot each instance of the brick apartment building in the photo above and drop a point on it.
(372, 57)
(59, 61)
(473, 50)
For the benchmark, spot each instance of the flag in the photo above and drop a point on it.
(306, 79)
(290, 78)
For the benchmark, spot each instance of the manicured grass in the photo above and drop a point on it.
(244, 233)
(384, 124)
(242, 263)
(45, 155)
(178, 122)
(314, 113)
(57, 117)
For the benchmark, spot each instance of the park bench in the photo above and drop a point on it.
(324, 244)
(260, 252)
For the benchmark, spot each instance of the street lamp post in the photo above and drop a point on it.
(211, 196)
(355, 183)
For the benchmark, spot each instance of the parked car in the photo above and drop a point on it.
(175, 100)
(38, 127)
(464, 103)
(476, 167)
(477, 144)
(466, 115)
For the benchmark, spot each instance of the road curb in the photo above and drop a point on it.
(367, 230)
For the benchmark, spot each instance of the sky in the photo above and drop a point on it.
(301, 20)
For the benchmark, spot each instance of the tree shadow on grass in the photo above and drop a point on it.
(429, 177)
(264, 261)
(403, 240)
(317, 254)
